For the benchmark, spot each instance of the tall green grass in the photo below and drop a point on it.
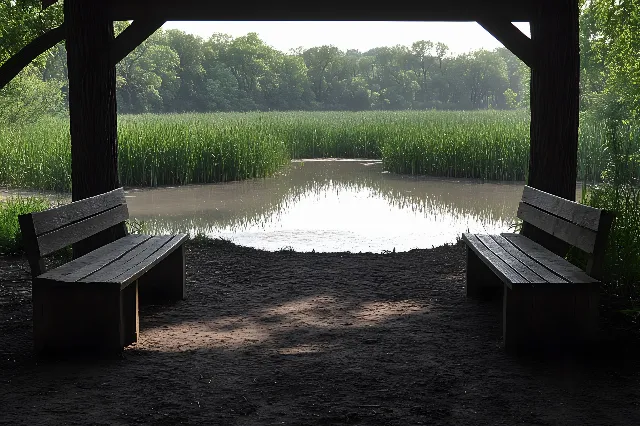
(203, 148)
(10, 209)
(619, 192)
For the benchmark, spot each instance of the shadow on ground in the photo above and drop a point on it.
(318, 339)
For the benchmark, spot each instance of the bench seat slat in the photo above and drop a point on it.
(549, 260)
(95, 260)
(137, 261)
(543, 272)
(128, 260)
(146, 264)
(504, 271)
(510, 260)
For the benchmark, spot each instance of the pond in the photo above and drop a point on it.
(329, 206)
(332, 206)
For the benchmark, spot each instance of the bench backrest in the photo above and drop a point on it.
(50, 230)
(583, 227)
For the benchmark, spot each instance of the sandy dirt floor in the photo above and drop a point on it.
(312, 339)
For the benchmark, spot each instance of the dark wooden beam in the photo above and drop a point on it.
(31, 51)
(555, 84)
(511, 37)
(426, 10)
(132, 36)
(47, 3)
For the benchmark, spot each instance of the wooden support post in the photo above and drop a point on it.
(92, 108)
(165, 282)
(482, 283)
(555, 82)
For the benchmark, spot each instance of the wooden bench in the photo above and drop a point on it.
(547, 301)
(92, 301)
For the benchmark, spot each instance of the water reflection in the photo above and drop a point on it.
(332, 206)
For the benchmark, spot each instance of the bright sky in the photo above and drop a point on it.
(461, 37)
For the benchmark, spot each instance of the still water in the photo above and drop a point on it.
(332, 206)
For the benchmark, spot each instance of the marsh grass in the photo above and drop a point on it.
(180, 149)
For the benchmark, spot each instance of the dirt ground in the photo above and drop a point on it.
(312, 339)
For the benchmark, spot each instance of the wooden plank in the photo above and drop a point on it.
(77, 231)
(130, 260)
(511, 37)
(582, 238)
(581, 215)
(596, 262)
(536, 267)
(135, 272)
(510, 260)
(95, 260)
(500, 268)
(30, 241)
(427, 10)
(550, 260)
(52, 219)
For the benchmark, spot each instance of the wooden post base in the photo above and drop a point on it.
(81, 317)
(166, 281)
(482, 283)
(545, 318)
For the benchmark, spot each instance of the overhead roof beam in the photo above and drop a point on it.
(426, 10)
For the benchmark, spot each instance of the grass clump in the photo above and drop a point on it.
(619, 192)
(10, 209)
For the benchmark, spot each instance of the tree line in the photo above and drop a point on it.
(178, 72)
(174, 71)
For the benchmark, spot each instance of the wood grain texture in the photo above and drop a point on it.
(579, 214)
(510, 260)
(497, 265)
(52, 219)
(95, 260)
(77, 231)
(128, 261)
(575, 235)
(536, 267)
(141, 268)
(137, 261)
(555, 263)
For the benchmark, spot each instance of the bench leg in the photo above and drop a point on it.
(547, 318)
(76, 318)
(482, 283)
(130, 324)
(166, 281)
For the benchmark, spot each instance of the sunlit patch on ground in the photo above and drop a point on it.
(322, 312)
